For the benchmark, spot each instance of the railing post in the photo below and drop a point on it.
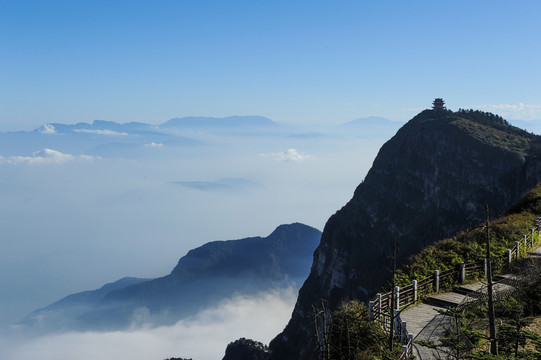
(462, 273)
(378, 299)
(414, 285)
(404, 352)
(402, 333)
(410, 344)
(396, 322)
(397, 297)
(517, 244)
(436, 280)
(485, 265)
(525, 241)
(371, 310)
(508, 253)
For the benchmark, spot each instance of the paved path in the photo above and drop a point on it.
(426, 323)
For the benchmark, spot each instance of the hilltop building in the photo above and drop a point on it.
(438, 104)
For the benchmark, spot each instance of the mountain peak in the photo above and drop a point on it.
(427, 182)
(294, 231)
(224, 256)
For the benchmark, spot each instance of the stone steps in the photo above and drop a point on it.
(445, 300)
(467, 289)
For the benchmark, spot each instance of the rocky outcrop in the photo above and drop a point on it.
(246, 349)
(429, 181)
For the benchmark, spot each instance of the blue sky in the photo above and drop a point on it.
(292, 61)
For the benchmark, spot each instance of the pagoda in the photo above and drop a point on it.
(438, 104)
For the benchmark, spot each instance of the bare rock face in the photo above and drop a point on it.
(429, 181)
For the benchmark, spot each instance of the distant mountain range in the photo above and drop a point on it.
(136, 139)
(102, 127)
(202, 278)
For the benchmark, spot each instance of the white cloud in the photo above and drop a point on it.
(101, 132)
(154, 145)
(48, 129)
(203, 337)
(518, 111)
(45, 156)
(288, 155)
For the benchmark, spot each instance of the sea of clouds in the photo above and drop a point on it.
(203, 336)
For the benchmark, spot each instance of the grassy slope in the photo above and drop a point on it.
(469, 246)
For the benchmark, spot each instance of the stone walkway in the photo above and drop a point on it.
(426, 323)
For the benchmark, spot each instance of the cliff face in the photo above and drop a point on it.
(429, 181)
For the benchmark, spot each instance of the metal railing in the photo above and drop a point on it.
(380, 308)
